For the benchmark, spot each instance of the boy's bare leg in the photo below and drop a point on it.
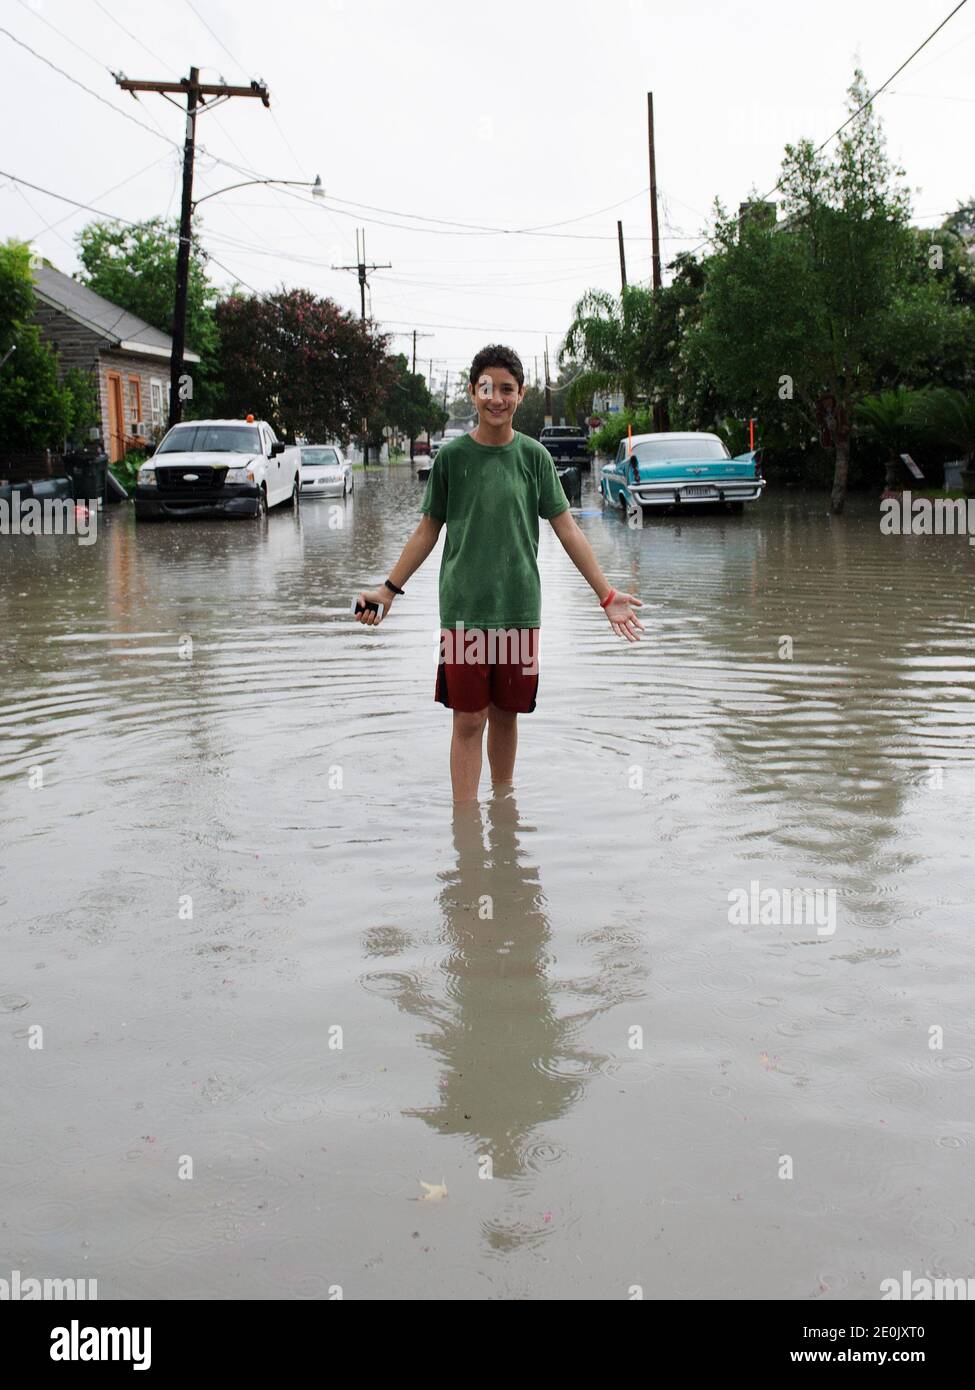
(502, 743)
(465, 753)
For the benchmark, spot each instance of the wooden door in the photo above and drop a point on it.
(116, 419)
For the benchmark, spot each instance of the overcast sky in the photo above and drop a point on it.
(493, 115)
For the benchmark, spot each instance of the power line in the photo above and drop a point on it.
(61, 34)
(862, 107)
(51, 226)
(210, 256)
(524, 280)
(24, 196)
(86, 206)
(216, 36)
(117, 110)
(467, 228)
(123, 221)
(890, 79)
(128, 33)
(141, 124)
(475, 328)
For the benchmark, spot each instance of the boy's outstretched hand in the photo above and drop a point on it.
(622, 619)
(382, 596)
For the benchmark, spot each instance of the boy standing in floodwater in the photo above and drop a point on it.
(490, 487)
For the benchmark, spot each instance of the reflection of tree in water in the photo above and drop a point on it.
(826, 726)
(510, 1062)
(829, 747)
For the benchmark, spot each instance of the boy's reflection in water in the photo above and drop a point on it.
(509, 1060)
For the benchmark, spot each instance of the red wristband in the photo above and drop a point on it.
(608, 599)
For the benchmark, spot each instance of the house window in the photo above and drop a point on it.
(156, 400)
(133, 403)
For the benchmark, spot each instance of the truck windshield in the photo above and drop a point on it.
(211, 439)
(561, 432)
(662, 450)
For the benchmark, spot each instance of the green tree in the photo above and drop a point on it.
(530, 415)
(300, 362)
(460, 408)
(948, 418)
(609, 338)
(35, 409)
(798, 320)
(406, 404)
(962, 222)
(135, 267)
(890, 419)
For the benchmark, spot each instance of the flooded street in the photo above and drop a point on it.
(282, 984)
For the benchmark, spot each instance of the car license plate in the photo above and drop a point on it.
(699, 490)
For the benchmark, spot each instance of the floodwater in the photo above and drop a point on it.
(281, 984)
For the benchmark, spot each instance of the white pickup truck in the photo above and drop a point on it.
(218, 468)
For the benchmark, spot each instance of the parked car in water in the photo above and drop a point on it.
(206, 468)
(325, 471)
(421, 446)
(680, 471)
(567, 444)
(448, 435)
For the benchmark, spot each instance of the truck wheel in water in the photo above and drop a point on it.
(261, 504)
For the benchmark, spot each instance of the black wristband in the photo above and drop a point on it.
(391, 586)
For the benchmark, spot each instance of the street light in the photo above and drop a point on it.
(317, 189)
(182, 275)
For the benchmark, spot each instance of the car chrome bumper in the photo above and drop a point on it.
(671, 494)
(233, 499)
(322, 489)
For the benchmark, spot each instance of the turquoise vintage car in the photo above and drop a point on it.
(680, 471)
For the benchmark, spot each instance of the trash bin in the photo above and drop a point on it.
(571, 479)
(52, 488)
(88, 474)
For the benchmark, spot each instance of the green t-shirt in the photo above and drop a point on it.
(491, 496)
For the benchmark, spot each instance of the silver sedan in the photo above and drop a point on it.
(325, 472)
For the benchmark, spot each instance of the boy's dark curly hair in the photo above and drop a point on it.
(497, 355)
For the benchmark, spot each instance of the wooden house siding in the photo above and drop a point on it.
(79, 347)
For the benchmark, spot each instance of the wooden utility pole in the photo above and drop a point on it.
(430, 389)
(548, 389)
(362, 269)
(415, 336)
(661, 420)
(654, 231)
(619, 235)
(197, 94)
(360, 266)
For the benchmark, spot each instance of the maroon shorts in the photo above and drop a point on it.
(482, 666)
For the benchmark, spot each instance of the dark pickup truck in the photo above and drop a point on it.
(567, 444)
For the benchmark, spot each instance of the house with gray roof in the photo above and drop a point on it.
(128, 358)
